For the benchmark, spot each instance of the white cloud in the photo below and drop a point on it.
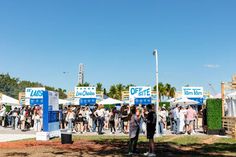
(212, 65)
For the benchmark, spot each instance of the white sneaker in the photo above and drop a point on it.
(146, 154)
(151, 155)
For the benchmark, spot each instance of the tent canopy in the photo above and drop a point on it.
(185, 101)
(110, 101)
(64, 102)
(8, 100)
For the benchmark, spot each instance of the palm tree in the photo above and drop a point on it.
(127, 86)
(172, 92)
(113, 92)
(86, 84)
(119, 90)
(99, 87)
(161, 90)
(167, 88)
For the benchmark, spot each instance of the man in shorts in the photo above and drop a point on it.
(151, 128)
(190, 116)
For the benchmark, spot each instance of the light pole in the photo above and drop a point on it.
(157, 97)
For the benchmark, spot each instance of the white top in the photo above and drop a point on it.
(3, 111)
(100, 113)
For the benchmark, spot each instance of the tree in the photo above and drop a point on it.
(119, 89)
(12, 86)
(9, 86)
(167, 89)
(86, 84)
(104, 91)
(172, 92)
(127, 86)
(113, 92)
(99, 87)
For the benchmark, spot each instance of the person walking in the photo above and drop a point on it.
(190, 116)
(182, 115)
(176, 119)
(151, 128)
(134, 127)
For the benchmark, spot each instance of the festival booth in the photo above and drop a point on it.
(85, 96)
(48, 101)
(193, 93)
(140, 95)
(230, 105)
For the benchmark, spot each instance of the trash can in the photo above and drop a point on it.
(66, 137)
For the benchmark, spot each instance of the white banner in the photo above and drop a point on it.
(140, 92)
(85, 92)
(53, 100)
(34, 93)
(192, 92)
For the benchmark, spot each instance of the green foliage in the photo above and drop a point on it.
(99, 87)
(214, 114)
(165, 90)
(86, 84)
(12, 86)
(167, 105)
(109, 106)
(9, 86)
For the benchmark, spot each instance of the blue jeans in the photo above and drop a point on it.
(14, 121)
(94, 125)
(70, 125)
(176, 126)
(161, 127)
(140, 125)
(100, 124)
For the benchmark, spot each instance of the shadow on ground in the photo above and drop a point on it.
(163, 149)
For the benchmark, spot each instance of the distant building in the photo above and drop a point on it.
(81, 74)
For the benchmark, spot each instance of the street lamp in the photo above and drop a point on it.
(157, 99)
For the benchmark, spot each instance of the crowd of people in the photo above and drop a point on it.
(23, 118)
(82, 119)
(183, 119)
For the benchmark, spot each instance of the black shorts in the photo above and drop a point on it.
(150, 135)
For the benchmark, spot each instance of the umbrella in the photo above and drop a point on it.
(110, 101)
(185, 101)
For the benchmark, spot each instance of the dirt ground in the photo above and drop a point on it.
(82, 147)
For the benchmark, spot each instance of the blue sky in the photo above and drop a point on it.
(39, 40)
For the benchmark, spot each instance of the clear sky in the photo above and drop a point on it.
(196, 41)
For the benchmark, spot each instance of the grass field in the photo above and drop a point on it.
(117, 146)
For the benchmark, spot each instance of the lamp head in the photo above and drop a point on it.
(155, 52)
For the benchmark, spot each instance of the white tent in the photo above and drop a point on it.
(110, 101)
(64, 102)
(185, 101)
(9, 100)
(230, 105)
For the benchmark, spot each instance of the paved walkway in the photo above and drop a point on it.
(7, 134)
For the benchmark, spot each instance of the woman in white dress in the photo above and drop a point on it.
(182, 114)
